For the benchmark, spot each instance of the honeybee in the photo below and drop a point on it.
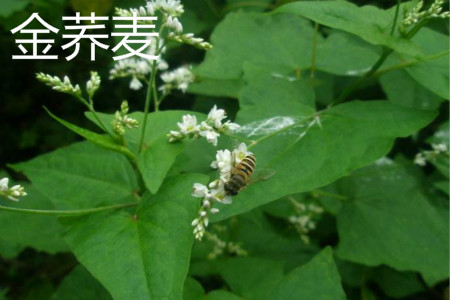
(240, 175)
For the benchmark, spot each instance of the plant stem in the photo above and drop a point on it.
(410, 63)
(65, 213)
(148, 97)
(90, 106)
(394, 24)
(385, 54)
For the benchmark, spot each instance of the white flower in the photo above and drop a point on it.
(228, 126)
(64, 86)
(179, 78)
(211, 136)
(93, 84)
(170, 7)
(439, 147)
(200, 190)
(223, 160)
(121, 120)
(216, 116)
(189, 39)
(135, 84)
(240, 152)
(4, 184)
(189, 125)
(12, 193)
(420, 160)
(174, 24)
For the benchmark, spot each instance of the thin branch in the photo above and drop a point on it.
(65, 213)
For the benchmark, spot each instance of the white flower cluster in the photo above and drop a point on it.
(93, 84)
(306, 218)
(138, 68)
(179, 79)
(210, 129)
(221, 246)
(189, 39)
(12, 193)
(428, 155)
(215, 191)
(122, 121)
(417, 14)
(63, 86)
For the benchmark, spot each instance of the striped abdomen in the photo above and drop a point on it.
(240, 175)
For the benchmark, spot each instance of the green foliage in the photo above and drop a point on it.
(331, 96)
(388, 220)
(368, 22)
(149, 247)
(351, 135)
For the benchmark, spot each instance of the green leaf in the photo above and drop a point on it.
(103, 141)
(155, 162)
(368, 22)
(19, 231)
(82, 176)
(251, 277)
(9, 7)
(388, 220)
(318, 279)
(193, 290)
(221, 295)
(269, 94)
(432, 74)
(398, 284)
(281, 43)
(216, 87)
(352, 135)
(158, 155)
(403, 90)
(345, 54)
(80, 284)
(141, 254)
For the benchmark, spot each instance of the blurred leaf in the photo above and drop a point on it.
(155, 162)
(221, 295)
(268, 94)
(432, 74)
(368, 22)
(250, 277)
(80, 284)
(215, 87)
(100, 7)
(193, 290)
(345, 54)
(145, 255)
(318, 279)
(281, 43)
(387, 220)
(19, 231)
(82, 176)
(8, 7)
(403, 90)
(398, 284)
(351, 136)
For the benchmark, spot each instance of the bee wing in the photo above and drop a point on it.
(262, 175)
